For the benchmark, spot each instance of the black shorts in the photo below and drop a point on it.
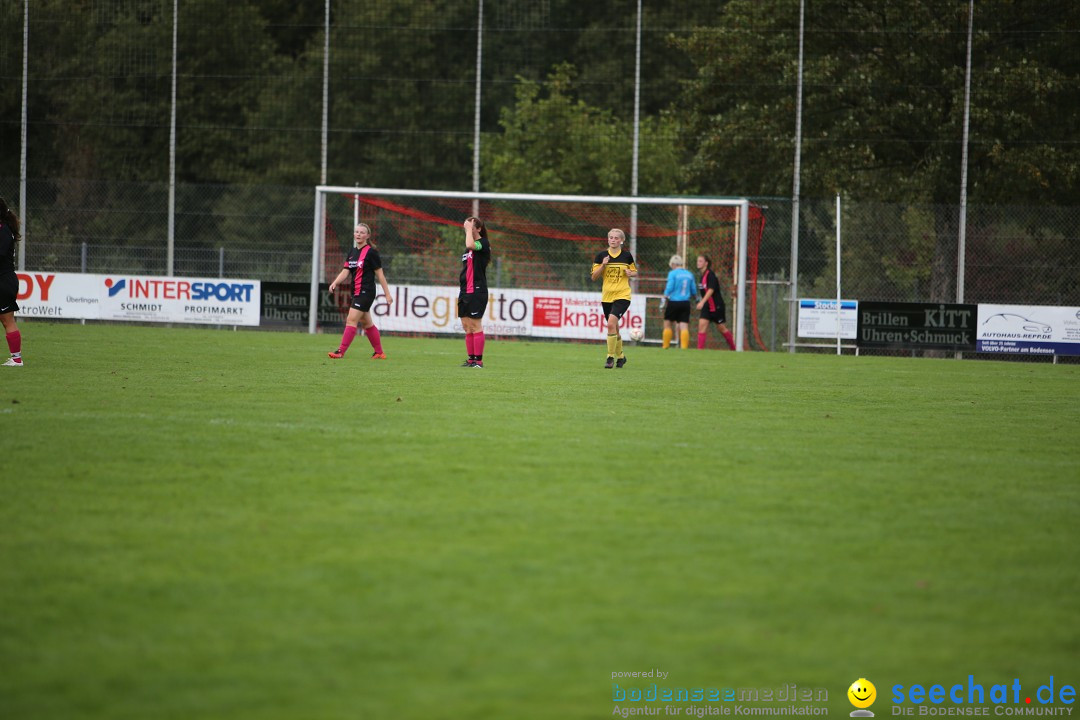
(363, 301)
(9, 288)
(677, 311)
(472, 305)
(719, 315)
(617, 308)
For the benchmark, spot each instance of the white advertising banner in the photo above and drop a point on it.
(526, 313)
(79, 296)
(1028, 330)
(817, 318)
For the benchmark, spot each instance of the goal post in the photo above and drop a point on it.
(540, 241)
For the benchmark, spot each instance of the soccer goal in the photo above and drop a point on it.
(543, 249)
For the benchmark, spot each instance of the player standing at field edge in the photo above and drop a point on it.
(9, 283)
(364, 265)
(473, 297)
(711, 305)
(617, 266)
(681, 286)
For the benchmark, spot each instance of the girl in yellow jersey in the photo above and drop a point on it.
(617, 266)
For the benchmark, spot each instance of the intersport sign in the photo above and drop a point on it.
(81, 296)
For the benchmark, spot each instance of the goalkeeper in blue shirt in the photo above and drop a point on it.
(681, 286)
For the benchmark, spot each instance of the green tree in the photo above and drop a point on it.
(553, 142)
(11, 52)
(100, 88)
(883, 100)
(223, 75)
(401, 94)
(883, 105)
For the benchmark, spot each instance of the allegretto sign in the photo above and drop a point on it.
(433, 309)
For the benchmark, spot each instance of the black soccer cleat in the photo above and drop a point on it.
(610, 363)
(620, 362)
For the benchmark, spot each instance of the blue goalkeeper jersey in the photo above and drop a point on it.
(681, 285)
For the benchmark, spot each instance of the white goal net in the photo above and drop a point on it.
(543, 247)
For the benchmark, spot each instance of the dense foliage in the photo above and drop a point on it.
(883, 108)
(882, 116)
(884, 100)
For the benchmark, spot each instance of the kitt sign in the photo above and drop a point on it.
(921, 326)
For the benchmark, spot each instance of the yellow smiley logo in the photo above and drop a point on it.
(862, 693)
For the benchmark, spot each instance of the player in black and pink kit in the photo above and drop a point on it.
(473, 297)
(711, 305)
(362, 267)
(9, 283)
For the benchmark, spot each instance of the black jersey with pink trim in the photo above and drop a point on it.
(7, 250)
(709, 281)
(474, 268)
(362, 262)
(9, 281)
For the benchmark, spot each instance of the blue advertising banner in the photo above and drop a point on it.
(1028, 330)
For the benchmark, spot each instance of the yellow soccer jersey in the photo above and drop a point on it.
(616, 281)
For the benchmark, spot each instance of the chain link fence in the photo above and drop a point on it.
(889, 252)
(407, 89)
(410, 90)
(908, 253)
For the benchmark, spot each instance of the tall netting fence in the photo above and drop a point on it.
(402, 84)
(553, 84)
(402, 80)
(908, 253)
(889, 252)
(240, 231)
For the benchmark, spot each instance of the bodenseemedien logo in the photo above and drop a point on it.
(862, 695)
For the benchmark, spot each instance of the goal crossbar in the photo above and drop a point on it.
(743, 205)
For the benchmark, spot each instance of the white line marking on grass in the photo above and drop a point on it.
(173, 417)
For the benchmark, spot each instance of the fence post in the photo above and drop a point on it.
(221, 262)
(772, 326)
(83, 257)
(838, 352)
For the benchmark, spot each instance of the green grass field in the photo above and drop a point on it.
(213, 524)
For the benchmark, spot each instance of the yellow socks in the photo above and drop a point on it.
(684, 339)
(611, 344)
(667, 338)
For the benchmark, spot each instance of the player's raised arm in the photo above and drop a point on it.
(472, 233)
